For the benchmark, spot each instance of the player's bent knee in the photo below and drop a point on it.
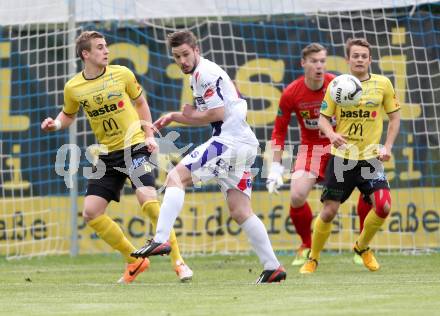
(88, 215)
(297, 199)
(329, 211)
(172, 177)
(179, 176)
(327, 216)
(382, 200)
(146, 194)
(240, 215)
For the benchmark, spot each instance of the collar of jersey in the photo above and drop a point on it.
(369, 77)
(82, 73)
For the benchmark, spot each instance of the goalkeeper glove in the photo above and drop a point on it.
(275, 178)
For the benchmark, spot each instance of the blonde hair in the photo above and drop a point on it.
(83, 42)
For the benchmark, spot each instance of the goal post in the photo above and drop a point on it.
(258, 43)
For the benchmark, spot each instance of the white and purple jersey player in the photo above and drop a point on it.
(229, 154)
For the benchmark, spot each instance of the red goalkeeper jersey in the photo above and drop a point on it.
(306, 104)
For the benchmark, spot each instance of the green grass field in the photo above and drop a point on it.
(222, 285)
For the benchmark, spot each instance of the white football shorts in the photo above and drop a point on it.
(226, 161)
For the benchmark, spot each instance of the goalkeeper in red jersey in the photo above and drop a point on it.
(303, 97)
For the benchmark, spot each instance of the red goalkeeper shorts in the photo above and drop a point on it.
(313, 159)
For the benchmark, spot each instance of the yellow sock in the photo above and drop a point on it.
(372, 224)
(151, 210)
(109, 231)
(321, 232)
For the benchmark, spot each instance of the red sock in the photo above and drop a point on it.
(302, 220)
(362, 209)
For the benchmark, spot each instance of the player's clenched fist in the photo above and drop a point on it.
(49, 125)
(151, 144)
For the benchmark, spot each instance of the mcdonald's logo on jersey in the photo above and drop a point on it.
(356, 129)
(109, 124)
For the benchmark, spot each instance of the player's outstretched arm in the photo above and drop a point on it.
(165, 120)
(190, 116)
(62, 121)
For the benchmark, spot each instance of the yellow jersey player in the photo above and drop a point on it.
(105, 93)
(357, 157)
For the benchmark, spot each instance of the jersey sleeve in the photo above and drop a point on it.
(132, 86)
(390, 102)
(71, 106)
(282, 121)
(328, 106)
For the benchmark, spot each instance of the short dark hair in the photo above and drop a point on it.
(182, 37)
(358, 42)
(83, 42)
(312, 48)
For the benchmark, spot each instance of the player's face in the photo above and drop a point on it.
(186, 57)
(314, 65)
(359, 60)
(98, 54)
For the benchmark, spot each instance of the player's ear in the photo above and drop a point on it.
(303, 61)
(197, 50)
(85, 54)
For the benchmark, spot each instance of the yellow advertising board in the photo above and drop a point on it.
(43, 224)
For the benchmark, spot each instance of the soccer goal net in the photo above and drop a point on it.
(258, 43)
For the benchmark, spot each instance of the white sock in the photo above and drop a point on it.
(258, 238)
(171, 206)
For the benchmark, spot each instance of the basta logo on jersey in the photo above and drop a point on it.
(108, 108)
(358, 114)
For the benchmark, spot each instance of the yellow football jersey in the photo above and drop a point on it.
(362, 124)
(106, 101)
